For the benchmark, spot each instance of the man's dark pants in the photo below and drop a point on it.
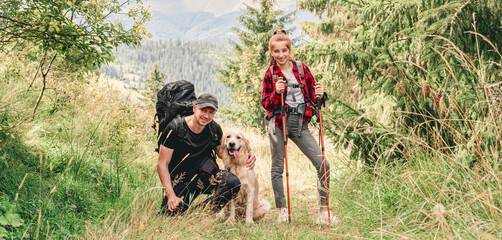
(222, 185)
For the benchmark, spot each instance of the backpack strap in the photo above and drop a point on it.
(207, 166)
(299, 66)
(214, 138)
(180, 131)
(310, 106)
(301, 69)
(214, 134)
(274, 76)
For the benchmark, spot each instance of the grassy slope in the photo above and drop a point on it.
(78, 161)
(90, 172)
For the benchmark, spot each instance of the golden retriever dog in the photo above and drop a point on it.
(235, 154)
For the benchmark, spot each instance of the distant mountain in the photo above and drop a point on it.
(193, 26)
(209, 20)
(194, 61)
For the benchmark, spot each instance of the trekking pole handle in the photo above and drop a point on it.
(319, 105)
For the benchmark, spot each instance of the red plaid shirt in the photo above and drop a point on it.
(271, 100)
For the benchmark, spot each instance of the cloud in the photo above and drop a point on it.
(216, 7)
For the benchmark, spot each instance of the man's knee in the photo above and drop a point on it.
(231, 181)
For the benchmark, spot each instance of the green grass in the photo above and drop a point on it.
(87, 169)
(71, 164)
(393, 203)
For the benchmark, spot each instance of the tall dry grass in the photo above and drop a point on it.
(145, 223)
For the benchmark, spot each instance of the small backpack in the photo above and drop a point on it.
(174, 100)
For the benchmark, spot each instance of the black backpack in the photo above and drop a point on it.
(174, 100)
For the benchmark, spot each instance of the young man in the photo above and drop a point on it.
(187, 161)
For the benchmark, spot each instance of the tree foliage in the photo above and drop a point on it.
(83, 31)
(435, 59)
(243, 71)
(154, 83)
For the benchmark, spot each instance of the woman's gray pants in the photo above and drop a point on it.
(307, 144)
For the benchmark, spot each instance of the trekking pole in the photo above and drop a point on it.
(283, 114)
(323, 157)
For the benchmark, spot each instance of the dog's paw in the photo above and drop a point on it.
(230, 221)
(249, 221)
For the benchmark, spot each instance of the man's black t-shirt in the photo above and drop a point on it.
(192, 151)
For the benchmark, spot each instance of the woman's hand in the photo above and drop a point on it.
(279, 85)
(319, 91)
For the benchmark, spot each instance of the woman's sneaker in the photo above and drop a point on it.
(283, 215)
(322, 218)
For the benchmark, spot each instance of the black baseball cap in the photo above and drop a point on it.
(207, 100)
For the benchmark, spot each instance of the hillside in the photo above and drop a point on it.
(87, 168)
(194, 61)
(412, 125)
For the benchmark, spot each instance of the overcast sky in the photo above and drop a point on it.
(217, 7)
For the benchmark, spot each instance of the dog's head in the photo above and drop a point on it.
(236, 146)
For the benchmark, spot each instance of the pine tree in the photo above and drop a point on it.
(433, 58)
(154, 83)
(243, 72)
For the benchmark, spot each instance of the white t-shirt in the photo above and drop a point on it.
(294, 96)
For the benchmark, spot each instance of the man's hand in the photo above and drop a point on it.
(173, 202)
(251, 160)
(319, 91)
(165, 155)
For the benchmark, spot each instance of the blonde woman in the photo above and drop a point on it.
(295, 82)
